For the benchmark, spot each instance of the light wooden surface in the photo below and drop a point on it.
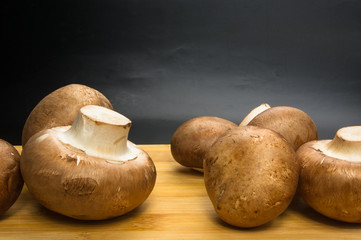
(178, 208)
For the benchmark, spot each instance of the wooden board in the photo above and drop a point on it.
(178, 208)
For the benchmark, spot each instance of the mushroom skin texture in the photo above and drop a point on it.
(11, 181)
(60, 107)
(330, 176)
(251, 176)
(193, 138)
(89, 171)
(292, 123)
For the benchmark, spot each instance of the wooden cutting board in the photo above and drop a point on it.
(178, 208)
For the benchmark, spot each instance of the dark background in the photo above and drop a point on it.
(163, 62)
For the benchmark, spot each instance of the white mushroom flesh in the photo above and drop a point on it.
(101, 132)
(346, 144)
(261, 108)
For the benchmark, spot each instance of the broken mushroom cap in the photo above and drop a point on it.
(251, 176)
(88, 171)
(330, 177)
(60, 108)
(193, 138)
(292, 123)
(11, 182)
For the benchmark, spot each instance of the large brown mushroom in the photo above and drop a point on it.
(193, 138)
(330, 177)
(251, 176)
(60, 108)
(11, 182)
(90, 170)
(292, 123)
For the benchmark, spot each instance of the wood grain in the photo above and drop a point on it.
(178, 208)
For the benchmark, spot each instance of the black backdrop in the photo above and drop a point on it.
(163, 62)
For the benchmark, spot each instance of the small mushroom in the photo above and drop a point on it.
(60, 108)
(251, 176)
(330, 176)
(88, 171)
(193, 138)
(11, 182)
(292, 123)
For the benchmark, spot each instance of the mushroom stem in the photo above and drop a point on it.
(100, 132)
(252, 114)
(346, 144)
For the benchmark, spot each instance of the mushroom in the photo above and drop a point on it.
(11, 182)
(330, 176)
(193, 138)
(292, 123)
(88, 171)
(60, 108)
(251, 176)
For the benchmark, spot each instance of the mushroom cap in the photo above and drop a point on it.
(193, 138)
(66, 180)
(60, 108)
(11, 182)
(251, 176)
(292, 123)
(330, 185)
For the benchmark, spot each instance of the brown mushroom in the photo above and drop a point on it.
(60, 108)
(90, 170)
(292, 123)
(11, 182)
(193, 138)
(330, 176)
(251, 176)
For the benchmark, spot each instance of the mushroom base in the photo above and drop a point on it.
(66, 180)
(331, 186)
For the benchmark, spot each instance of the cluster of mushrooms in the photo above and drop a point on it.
(253, 170)
(76, 157)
